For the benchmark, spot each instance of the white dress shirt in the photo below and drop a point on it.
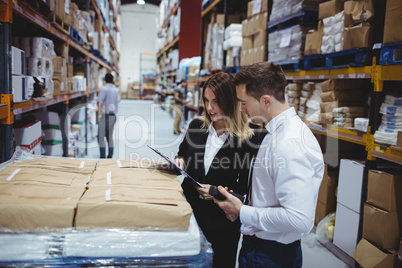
(287, 174)
(213, 145)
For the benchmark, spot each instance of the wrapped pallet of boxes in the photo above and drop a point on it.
(391, 121)
(283, 8)
(51, 133)
(287, 43)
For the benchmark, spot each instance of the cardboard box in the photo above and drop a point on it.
(313, 43)
(350, 184)
(45, 177)
(108, 207)
(59, 85)
(359, 11)
(260, 38)
(383, 191)
(342, 84)
(29, 136)
(382, 228)
(61, 50)
(247, 42)
(33, 206)
(326, 201)
(244, 28)
(369, 256)
(19, 89)
(85, 167)
(136, 177)
(58, 66)
(350, 95)
(17, 61)
(346, 229)
(358, 37)
(393, 21)
(399, 140)
(258, 23)
(256, 7)
(330, 8)
(259, 54)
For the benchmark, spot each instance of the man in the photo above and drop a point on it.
(285, 177)
(179, 102)
(108, 99)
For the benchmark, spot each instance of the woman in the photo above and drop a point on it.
(216, 151)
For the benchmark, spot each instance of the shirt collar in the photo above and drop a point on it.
(212, 132)
(278, 120)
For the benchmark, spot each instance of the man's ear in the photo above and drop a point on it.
(266, 100)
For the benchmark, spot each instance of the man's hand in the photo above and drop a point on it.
(231, 205)
(204, 192)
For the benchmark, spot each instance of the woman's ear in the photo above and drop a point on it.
(266, 100)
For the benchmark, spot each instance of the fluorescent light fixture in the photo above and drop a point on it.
(140, 2)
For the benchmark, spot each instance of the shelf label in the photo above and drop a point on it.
(361, 76)
(289, 77)
(321, 76)
(352, 75)
(341, 76)
(308, 77)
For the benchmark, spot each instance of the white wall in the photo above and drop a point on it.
(138, 34)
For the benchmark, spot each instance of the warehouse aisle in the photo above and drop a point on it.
(142, 123)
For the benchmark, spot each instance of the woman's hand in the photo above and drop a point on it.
(204, 192)
(179, 162)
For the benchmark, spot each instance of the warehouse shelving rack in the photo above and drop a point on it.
(8, 108)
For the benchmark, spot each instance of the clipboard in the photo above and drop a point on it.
(182, 172)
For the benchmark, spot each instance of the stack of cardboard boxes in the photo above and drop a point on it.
(382, 220)
(254, 33)
(350, 95)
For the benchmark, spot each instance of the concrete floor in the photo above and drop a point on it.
(142, 123)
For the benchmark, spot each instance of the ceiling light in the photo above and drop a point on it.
(140, 2)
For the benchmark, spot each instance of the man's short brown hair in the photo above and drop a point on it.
(263, 78)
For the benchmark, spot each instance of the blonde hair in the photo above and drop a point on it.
(235, 121)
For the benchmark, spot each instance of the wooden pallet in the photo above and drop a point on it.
(347, 58)
(60, 24)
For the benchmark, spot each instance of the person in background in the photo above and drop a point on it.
(108, 99)
(285, 175)
(215, 151)
(179, 102)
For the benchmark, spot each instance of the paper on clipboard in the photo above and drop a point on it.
(182, 172)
